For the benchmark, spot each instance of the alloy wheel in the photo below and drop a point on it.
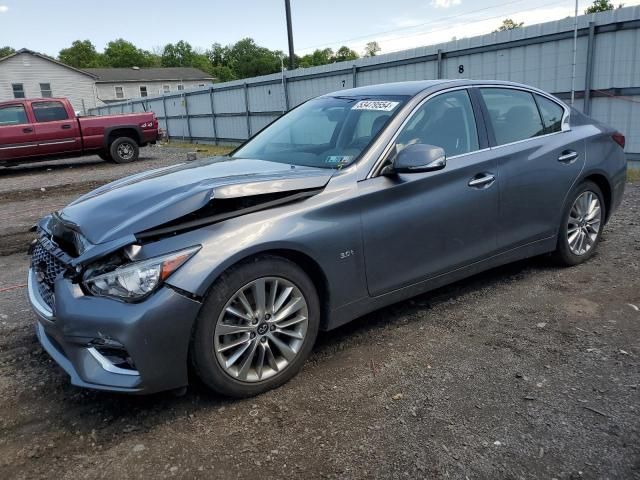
(125, 151)
(584, 223)
(261, 329)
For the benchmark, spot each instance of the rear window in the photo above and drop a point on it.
(551, 114)
(513, 114)
(12, 115)
(49, 111)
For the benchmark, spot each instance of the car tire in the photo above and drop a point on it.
(264, 362)
(584, 216)
(124, 150)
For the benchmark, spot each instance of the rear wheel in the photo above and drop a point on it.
(256, 328)
(582, 223)
(124, 150)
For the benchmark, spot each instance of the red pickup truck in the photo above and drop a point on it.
(47, 128)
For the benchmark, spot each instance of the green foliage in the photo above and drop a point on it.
(326, 56)
(601, 6)
(6, 51)
(81, 54)
(508, 24)
(179, 55)
(371, 49)
(122, 54)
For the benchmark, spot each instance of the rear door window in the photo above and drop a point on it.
(13, 115)
(551, 114)
(513, 114)
(49, 111)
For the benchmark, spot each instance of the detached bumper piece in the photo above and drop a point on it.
(105, 344)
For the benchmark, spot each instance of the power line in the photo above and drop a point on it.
(413, 26)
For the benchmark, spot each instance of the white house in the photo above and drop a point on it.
(29, 74)
(118, 84)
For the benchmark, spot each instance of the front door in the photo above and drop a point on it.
(17, 137)
(417, 226)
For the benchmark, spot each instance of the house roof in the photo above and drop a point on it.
(44, 57)
(109, 75)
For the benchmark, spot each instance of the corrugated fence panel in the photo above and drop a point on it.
(201, 127)
(302, 90)
(199, 104)
(538, 55)
(231, 127)
(230, 101)
(266, 98)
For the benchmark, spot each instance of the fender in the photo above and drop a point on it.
(138, 138)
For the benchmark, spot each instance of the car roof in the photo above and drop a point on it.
(415, 87)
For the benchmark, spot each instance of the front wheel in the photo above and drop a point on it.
(124, 150)
(582, 223)
(256, 327)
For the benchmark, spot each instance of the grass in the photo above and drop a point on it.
(633, 175)
(200, 147)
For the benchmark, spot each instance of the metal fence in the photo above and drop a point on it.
(607, 81)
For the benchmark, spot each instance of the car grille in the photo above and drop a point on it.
(46, 268)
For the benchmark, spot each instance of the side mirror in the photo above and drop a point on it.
(418, 158)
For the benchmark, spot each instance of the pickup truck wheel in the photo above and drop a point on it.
(124, 150)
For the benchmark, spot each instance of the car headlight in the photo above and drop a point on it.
(134, 281)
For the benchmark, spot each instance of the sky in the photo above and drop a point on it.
(47, 26)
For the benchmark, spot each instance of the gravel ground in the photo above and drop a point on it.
(527, 371)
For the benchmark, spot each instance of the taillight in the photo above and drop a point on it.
(619, 139)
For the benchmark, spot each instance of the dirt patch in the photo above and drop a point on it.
(526, 371)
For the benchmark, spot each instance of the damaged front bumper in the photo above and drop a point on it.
(90, 337)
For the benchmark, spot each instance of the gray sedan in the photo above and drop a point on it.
(354, 200)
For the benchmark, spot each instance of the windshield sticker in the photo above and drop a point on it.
(377, 105)
(340, 159)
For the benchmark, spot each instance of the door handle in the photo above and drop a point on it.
(482, 180)
(568, 156)
(66, 127)
(27, 130)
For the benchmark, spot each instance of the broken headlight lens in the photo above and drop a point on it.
(134, 281)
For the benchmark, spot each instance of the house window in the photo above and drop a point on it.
(143, 90)
(18, 90)
(45, 90)
(166, 88)
(119, 92)
(180, 87)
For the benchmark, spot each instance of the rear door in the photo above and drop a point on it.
(17, 136)
(57, 131)
(538, 162)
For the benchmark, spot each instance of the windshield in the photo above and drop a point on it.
(326, 132)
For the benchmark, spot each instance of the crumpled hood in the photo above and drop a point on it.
(146, 200)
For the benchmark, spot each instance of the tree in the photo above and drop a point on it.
(121, 54)
(508, 24)
(371, 49)
(6, 51)
(601, 6)
(344, 53)
(81, 54)
(179, 55)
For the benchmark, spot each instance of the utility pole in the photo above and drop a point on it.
(287, 6)
(575, 51)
